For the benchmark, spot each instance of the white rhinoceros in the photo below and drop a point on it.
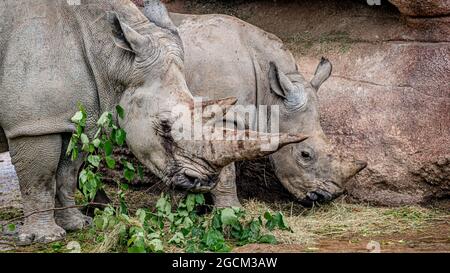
(55, 54)
(225, 56)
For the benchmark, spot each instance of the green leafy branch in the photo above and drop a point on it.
(166, 225)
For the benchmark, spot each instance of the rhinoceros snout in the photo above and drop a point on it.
(191, 183)
(318, 196)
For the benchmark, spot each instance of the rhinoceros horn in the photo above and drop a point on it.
(248, 145)
(221, 146)
(157, 13)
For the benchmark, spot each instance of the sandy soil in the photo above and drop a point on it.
(432, 239)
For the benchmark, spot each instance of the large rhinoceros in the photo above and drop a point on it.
(225, 56)
(55, 54)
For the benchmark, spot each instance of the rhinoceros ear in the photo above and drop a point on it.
(294, 96)
(323, 72)
(157, 13)
(279, 82)
(126, 37)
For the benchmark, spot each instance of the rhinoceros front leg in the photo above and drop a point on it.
(36, 161)
(225, 193)
(70, 219)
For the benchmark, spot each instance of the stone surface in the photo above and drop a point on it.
(427, 8)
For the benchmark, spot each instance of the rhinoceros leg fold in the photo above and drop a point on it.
(36, 161)
(225, 193)
(70, 219)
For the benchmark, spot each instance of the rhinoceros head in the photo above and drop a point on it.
(155, 91)
(311, 170)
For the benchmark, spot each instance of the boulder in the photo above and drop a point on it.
(423, 8)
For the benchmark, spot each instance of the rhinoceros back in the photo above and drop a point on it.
(43, 71)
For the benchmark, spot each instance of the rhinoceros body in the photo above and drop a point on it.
(225, 56)
(55, 54)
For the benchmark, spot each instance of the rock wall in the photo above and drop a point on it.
(389, 97)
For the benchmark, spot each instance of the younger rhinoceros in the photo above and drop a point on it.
(225, 56)
(53, 55)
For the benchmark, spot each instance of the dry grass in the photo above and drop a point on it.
(334, 221)
(339, 220)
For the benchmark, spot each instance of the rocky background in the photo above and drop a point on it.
(389, 97)
(388, 100)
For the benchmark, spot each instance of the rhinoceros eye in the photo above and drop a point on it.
(305, 155)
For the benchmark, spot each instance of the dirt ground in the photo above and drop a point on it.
(430, 240)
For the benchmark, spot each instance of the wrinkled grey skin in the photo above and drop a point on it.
(99, 54)
(225, 56)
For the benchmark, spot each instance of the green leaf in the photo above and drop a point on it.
(78, 117)
(11, 227)
(108, 147)
(79, 130)
(124, 187)
(141, 215)
(123, 206)
(215, 241)
(110, 162)
(200, 199)
(228, 217)
(74, 153)
(187, 223)
(268, 239)
(94, 160)
(163, 205)
(129, 174)
(83, 177)
(141, 172)
(91, 148)
(190, 202)
(177, 238)
(105, 119)
(275, 221)
(84, 139)
(71, 146)
(120, 112)
(120, 137)
(216, 222)
(137, 249)
(97, 134)
(128, 165)
(96, 142)
(57, 246)
(156, 245)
